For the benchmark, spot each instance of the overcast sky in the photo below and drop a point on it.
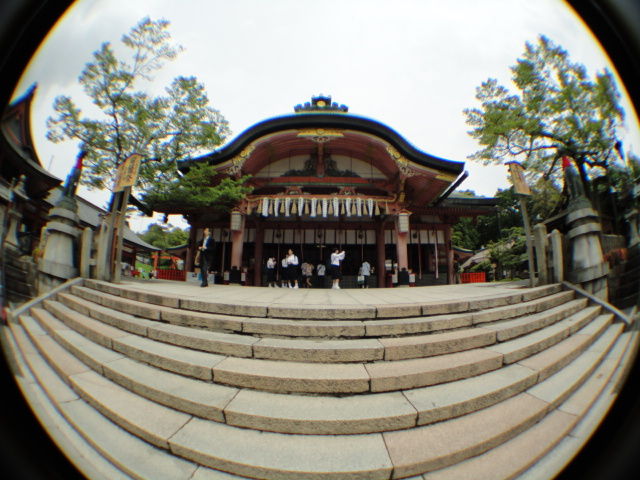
(413, 65)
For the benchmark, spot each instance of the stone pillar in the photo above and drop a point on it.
(237, 243)
(586, 264)
(380, 250)
(586, 260)
(557, 256)
(102, 254)
(86, 246)
(451, 274)
(259, 242)
(58, 262)
(540, 242)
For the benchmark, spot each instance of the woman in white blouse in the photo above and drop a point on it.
(293, 268)
(336, 257)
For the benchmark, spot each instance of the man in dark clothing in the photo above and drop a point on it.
(206, 257)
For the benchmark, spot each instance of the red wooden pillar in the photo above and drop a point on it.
(237, 243)
(380, 250)
(257, 273)
(449, 253)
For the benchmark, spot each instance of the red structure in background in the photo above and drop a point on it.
(473, 277)
(173, 272)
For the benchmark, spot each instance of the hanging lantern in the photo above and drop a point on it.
(236, 220)
(403, 221)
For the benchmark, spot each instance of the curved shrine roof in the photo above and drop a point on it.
(325, 133)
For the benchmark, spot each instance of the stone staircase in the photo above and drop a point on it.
(136, 384)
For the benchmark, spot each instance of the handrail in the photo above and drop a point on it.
(21, 309)
(619, 313)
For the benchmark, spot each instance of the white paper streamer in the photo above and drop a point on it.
(287, 206)
(347, 201)
(300, 206)
(314, 204)
(325, 205)
(276, 207)
(336, 207)
(370, 206)
(265, 207)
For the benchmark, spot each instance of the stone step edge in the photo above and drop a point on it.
(285, 349)
(356, 379)
(290, 349)
(177, 444)
(313, 328)
(460, 409)
(78, 412)
(295, 311)
(524, 451)
(81, 454)
(557, 459)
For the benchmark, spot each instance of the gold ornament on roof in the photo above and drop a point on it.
(401, 162)
(238, 161)
(320, 135)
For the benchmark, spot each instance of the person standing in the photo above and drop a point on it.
(284, 273)
(307, 272)
(271, 272)
(365, 271)
(336, 257)
(320, 269)
(206, 256)
(293, 268)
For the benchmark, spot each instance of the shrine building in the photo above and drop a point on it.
(322, 178)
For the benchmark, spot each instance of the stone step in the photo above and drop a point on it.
(208, 416)
(106, 450)
(302, 377)
(86, 460)
(325, 351)
(525, 346)
(591, 402)
(320, 328)
(518, 455)
(322, 312)
(301, 414)
(285, 349)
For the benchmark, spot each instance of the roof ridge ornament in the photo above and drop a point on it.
(321, 103)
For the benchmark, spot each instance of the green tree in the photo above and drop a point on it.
(557, 111)
(510, 252)
(163, 236)
(196, 189)
(163, 129)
